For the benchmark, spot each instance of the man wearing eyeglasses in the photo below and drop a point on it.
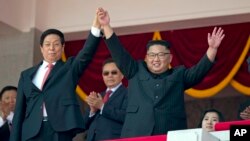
(156, 92)
(106, 115)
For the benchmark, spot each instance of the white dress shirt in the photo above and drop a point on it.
(9, 119)
(38, 80)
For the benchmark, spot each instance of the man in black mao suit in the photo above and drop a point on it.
(50, 111)
(104, 120)
(155, 92)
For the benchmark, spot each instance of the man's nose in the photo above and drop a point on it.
(52, 47)
(12, 100)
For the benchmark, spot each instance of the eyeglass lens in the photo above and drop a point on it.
(106, 73)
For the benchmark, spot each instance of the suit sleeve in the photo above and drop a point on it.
(116, 113)
(86, 54)
(195, 74)
(123, 59)
(19, 113)
(88, 120)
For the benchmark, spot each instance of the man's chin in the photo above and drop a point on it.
(157, 71)
(209, 129)
(12, 108)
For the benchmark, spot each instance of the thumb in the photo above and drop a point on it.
(208, 36)
(99, 96)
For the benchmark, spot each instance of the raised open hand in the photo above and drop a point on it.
(215, 38)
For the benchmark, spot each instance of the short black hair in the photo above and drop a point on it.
(158, 42)
(7, 88)
(107, 61)
(52, 31)
(221, 117)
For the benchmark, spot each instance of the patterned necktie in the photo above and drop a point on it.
(107, 95)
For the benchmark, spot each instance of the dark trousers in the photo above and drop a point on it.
(46, 133)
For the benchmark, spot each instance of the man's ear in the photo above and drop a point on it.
(41, 48)
(170, 58)
(145, 57)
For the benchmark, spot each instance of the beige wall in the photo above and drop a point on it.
(79, 13)
(76, 15)
(19, 14)
(16, 55)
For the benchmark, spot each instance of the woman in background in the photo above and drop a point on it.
(209, 118)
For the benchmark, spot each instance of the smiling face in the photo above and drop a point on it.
(52, 48)
(158, 59)
(111, 75)
(209, 121)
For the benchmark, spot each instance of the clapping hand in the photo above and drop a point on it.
(245, 114)
(95, 101)
(4, 110)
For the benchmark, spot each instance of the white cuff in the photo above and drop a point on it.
(96, 31)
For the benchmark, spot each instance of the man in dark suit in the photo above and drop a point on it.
(7, 105)
(156, 92)
(48, 110)
(107, 111)
(5, 132)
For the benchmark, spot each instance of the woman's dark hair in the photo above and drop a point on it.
(221, 118)
(7, 88)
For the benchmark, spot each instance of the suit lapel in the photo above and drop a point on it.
(32, 73)
(115, 94)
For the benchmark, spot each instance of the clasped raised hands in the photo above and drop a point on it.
(103, 16)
